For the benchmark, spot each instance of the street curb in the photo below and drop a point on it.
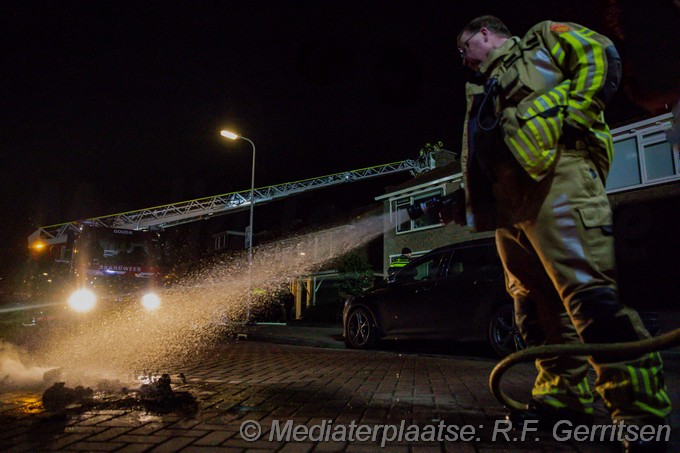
(320, 337)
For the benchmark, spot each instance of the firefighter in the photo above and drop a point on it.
(400, 261)
(536, 152)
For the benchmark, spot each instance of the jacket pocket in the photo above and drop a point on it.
(598, 234)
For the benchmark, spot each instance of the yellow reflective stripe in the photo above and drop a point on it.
(535, 166)
(549, 400)
(587, 115)
(645, 380)
(552, 401)
(547, 133)
(656, 383)
(556, 391)
(520, 150)
(584, 388)
(559, 93)
(585, 397)
(549, 157)
(606, 138)
(554, 128)
(661, 395)
(558, 53)
(593, 57)
(527, 147)
(531, 124)
(544, 101)
(590, 78)
(646, 393)
(649, 392)
(577, 115)
(661, 413)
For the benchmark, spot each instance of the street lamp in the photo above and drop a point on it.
(232, 136)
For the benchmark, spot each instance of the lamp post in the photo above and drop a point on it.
(232, 136)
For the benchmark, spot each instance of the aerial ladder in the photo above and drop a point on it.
(174, 214)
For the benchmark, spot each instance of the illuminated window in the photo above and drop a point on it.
(404, 223)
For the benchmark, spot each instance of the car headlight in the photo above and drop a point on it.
(82, 300)
(151, 301)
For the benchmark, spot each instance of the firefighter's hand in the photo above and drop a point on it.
(455, 212)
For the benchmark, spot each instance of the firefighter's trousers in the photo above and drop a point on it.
(557, 250)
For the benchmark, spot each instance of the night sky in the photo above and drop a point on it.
(111, 106)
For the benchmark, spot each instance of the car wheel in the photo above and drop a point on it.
(503, 334)
(360, 330)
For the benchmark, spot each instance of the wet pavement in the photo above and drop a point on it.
(310, 394)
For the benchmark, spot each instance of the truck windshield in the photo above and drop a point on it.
(119, 250)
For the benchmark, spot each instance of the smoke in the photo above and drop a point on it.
(15, 369)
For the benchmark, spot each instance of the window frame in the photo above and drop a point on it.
(646, 134)
(409, 199)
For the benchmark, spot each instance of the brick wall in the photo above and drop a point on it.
(671, 189)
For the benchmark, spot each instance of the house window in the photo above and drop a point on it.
(625, 169)
(643, 156)
(404, 223)
(659, 160)
(221, 241)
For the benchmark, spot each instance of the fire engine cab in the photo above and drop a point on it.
(99, 266)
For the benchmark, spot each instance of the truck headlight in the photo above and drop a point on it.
(151, 301)
(82, 300)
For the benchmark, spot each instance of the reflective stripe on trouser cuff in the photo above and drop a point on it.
(554, 391)
(634, 391)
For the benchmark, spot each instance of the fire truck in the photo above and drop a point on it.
(98, 267)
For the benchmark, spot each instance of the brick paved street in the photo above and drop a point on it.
(262, 382)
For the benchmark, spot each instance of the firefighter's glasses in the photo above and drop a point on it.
(463, 49)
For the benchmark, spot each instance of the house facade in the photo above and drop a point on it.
(645, 168)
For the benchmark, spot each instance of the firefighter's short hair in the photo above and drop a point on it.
(493, 23)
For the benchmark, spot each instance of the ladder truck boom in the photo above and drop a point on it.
(169, 215)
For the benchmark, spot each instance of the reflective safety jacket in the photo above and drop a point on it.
(559, 73)
(400, 261)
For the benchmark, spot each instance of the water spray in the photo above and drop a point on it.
(196, 312)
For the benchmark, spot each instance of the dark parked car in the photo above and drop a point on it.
(455, 292)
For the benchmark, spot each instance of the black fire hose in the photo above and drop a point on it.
(612, 350)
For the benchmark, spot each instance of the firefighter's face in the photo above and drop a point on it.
(474, 48)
